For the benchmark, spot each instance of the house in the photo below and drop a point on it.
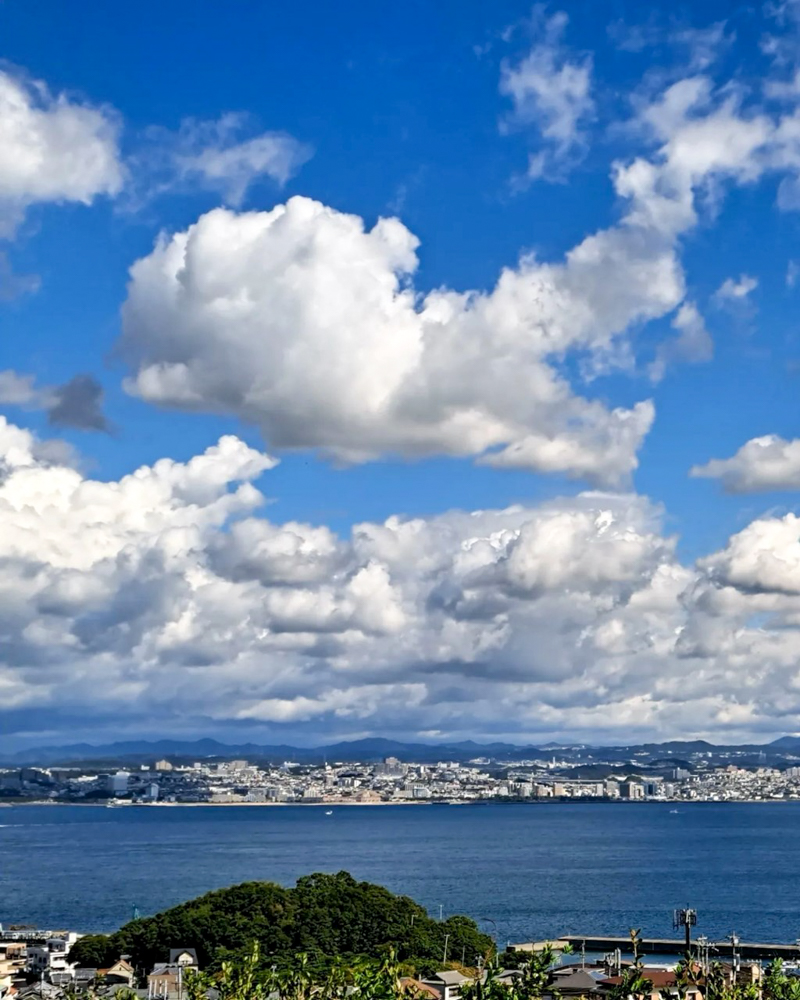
(13, 959)
(84, 976)
(185, 957)
(506, 977)
(52, 954)
(120, 973)
(165, 982)
(39, 991)
(447, 984)
(664, 985)
(576, 982)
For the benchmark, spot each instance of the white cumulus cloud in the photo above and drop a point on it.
(168, 591)
(306, 323)
(165, 588)
(763, 463)
(52, 149)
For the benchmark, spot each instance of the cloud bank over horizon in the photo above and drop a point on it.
(169, 593)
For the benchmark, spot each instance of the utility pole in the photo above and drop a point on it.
(703, 953)
(734, 940)
(444, 957)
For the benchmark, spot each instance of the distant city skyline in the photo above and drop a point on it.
(427, 372)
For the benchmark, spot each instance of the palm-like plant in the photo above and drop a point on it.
(486, 985)
(295, 980)
(632, 984)
(379, 980)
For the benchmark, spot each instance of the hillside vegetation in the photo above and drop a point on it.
(323, 915)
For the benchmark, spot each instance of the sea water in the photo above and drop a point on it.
(523, 871)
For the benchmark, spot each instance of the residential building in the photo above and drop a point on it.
(165, 982)
(447, 984)
(120, 973)
(663, 985)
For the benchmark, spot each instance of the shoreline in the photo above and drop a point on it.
(674, 803)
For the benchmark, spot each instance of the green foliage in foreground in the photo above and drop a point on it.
(250, 979)
(324, 916)
(249, 976)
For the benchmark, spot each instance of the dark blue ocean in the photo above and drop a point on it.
(535, 870)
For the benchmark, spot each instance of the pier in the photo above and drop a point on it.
(758, 951)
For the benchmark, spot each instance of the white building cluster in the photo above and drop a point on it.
(394, 781)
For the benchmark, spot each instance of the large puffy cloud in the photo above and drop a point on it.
(164, 588)
(743, 624)
(52, 149)
(764, 558)
(306, 323)
(763, 463)
(166, 592)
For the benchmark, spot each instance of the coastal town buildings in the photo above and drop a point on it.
(235, 782)
(34, 965)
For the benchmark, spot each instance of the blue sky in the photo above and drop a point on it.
(599, 372)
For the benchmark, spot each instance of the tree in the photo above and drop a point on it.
(323, 916)
(776, 985)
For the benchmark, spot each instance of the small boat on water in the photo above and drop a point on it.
(329, 812)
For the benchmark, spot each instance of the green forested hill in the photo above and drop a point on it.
(323, 915)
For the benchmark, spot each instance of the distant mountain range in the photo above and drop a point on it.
(355, 750)
(370, 750)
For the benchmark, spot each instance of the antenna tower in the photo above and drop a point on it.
(687, 919)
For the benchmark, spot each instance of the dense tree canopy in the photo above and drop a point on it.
(323, 915)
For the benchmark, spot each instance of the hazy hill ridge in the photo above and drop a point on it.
(376, 748)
